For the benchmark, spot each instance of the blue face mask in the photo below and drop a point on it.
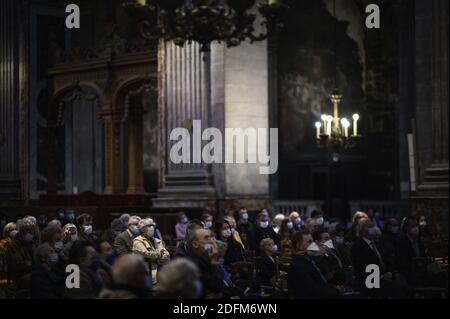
(274, 248)
(207, 248)
(148, 282)
(372, 232)
(111, 258)
(184, 220)
(28, 238)
(339, 240)
(54, 258)
(290, 226)
(71, 217)
(198, 289)
(87, 229)
(96, 263)
(135, 231)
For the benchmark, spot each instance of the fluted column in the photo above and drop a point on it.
(113, 175)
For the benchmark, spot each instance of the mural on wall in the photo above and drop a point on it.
(307, 68)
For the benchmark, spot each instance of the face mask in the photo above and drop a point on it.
(135, 231)
(290, 225)
(208, 224)
(87, 229)
(394, 229)
(423, 224)
(298, 221)
(207, 248)
(59, 246)
(28, 238)
(73, 237)
(372, 232)
(198, 289)
(13, 233)
(226, 233)
(339, 240)
(151, 231)
(319, 221)
(184, 220)
(111, 257)
(71, 217)
(54, 258)
(244, 216)
(148, 282)
(414, 231)
(329, 244)
(313, 247)
(274, 248)
(95, 263)
(263, 224)
(60, 216)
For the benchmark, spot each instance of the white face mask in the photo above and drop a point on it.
(313, 247)
(264, 224)
(319, 221)
(329, 244)
(73, 237)
(151, 231)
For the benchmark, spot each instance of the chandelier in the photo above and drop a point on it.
(205, 21)
(332, 132)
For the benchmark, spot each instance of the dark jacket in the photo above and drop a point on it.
(211, 275)
(257, 234)
(91, 239)
(123, 243)
(47, 283)
(90, 285)
(19, 258)
(405, 254)
(266, 269)
(362, 255)
(306, 282)
(124, 292)
(388, 246)
(234, 253)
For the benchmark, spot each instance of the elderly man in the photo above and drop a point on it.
(296, 220)
(19, 257)
(261, 231)
(131, 279)
(152, 249)
(203, 252)
(179, 279)
(277, 220)
(311, 225)
(123, 244)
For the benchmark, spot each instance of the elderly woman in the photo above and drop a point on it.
(152, 249)
(9, 232)
(46, 281)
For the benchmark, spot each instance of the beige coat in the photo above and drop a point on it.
(153, 251)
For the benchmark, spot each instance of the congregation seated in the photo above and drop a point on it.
(215, 260)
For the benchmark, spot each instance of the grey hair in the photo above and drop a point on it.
(134, 220)
(69, 225)
(50, 231)
(292, 214)
(125, 272)
(145, 223)
(176, 276)
(361, 224)
(31, 218)
(124, 217)
(55, 222)
(191, 236)
(41, 253)
(25, 222)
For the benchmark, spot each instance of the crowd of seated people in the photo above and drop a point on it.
(231, 256)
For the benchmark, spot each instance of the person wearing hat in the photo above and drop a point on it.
(260, 231)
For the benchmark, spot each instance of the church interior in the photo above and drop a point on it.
(87, 112)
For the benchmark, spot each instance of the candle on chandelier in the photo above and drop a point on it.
(345, 125)
(355, 124)
(273, 2)
(141, 2)
(318, 126)
(324, 120)
(329, 121)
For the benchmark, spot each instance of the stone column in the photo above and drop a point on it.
(9, 102)
(184, 86)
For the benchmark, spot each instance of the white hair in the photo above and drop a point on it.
(25, 222)
(145, 223)
(280, 217)
(134, 220)
(55, 222)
